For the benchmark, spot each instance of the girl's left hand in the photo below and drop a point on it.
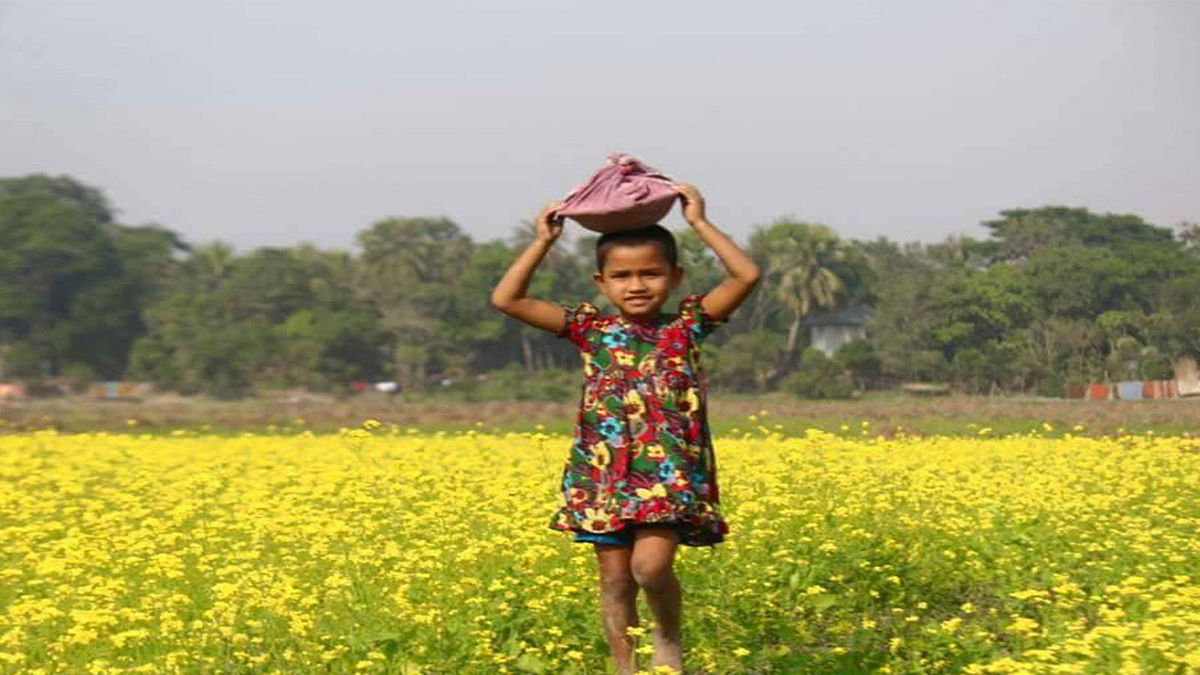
(693, 203)
(549, 224)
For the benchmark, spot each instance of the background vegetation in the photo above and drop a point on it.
(1053, 296)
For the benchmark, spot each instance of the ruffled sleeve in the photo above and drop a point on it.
(578, 322)
(696, 321)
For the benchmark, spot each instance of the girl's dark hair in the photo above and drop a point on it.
(656, 234)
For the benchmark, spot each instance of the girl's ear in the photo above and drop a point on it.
(676, 276)
(597, 278)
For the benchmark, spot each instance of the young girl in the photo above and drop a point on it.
(641, 478)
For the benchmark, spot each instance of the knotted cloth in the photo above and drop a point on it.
(623, 195)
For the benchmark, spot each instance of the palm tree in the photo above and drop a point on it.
(799, 257)
(212, 263)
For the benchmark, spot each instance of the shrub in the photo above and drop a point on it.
(818, 377)
(859, 358)
(747, 362)
(513, 382)
(1156, 365)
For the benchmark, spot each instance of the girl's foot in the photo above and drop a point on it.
(667, 653)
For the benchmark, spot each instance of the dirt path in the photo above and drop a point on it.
(885, 414)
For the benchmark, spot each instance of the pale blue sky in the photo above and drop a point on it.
(272, 122)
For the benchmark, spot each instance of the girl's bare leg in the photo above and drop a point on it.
(652, 564)
(618, 603)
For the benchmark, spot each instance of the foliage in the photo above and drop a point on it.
(515, 383)
(800, 262)
(819, 377)
(1055, 296)
(283, 317)
(858, 358)
(1042, 304)
(747, 362)
(72, 281)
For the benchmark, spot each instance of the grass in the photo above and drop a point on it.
(886, 413)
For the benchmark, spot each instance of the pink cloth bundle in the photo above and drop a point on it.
(623, 195)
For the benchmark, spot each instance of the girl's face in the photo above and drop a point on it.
(637, 278)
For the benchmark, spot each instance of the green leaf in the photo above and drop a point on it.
(823, 600)
(530, 664)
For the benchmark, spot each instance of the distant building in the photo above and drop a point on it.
(829, 330)
(1187, 376)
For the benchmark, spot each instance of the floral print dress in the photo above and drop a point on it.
(642, 452)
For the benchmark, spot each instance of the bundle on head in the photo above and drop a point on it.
(623, 195)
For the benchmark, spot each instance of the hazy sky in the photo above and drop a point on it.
(273, 122)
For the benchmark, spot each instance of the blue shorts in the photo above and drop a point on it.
(624, 536)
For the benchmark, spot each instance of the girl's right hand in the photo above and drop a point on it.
(549, 227)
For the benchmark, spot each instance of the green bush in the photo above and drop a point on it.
(859, 358)
(516, 383)
(1051, 385)
(24, 360)
(818, 377)
(1156, 366)
(746, 363)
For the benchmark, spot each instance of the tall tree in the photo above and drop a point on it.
(801, 258)
(1188, 234)
(106, 316)
(409, 270)
(901, 331)
(64, 302)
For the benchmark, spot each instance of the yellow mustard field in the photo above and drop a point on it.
(391, 550)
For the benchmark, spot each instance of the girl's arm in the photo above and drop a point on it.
(741, 272)
(509, 294)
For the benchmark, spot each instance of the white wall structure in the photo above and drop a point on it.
(829, 338)
(830, 329)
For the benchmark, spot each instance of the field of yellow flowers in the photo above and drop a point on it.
(386, 549)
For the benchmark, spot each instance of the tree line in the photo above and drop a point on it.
(1052, 296)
